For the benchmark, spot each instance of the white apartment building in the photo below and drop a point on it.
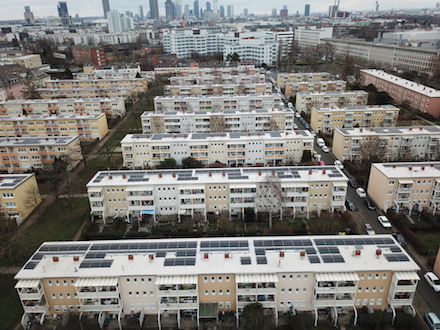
(312, 36)
(305, 101)
(223, 79)
(420, 142)
(411, 186)
(292, 87)
(218, 121)
(112, 107)
(191, 192)
(328, 119)
(241, 69)
(283, 78)
(218, 89)
(114, 73)
(217, 102)
(284, 40)
(231, 149)
(200, 277)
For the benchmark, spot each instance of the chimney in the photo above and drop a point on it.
(281, 254)
(227, 256)
(410, 168)
(205, 256)
(130, 257)
(357, 252)
(110, 177)
(378, 252)
(394, 166)
(302, 253)
(174, 175)
(423, 168)
(310, 172)
(75, 258)
(160, 175)
(55, 259)
(323, 171)
(151, 257)
(124, 176)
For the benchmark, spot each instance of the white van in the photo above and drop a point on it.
(320, 142)
(432, 320)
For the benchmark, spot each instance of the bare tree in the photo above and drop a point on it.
(372, 150)
(270, 196)
(218, 123)
(108, 152)
(33, 198)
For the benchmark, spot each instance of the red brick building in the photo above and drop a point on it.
(89, 55)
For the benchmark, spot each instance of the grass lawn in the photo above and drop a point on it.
(431, 240)
(10, 306)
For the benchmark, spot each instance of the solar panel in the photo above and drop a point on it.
(161, 254)
(396, 257)
(332, 258)
(31, 265)
(179, 262)
(261, 260)
(96, 264)
(328, 249)
(95, 255)
(186, 253)
(245, 260)
(392, 248)
(314, 259)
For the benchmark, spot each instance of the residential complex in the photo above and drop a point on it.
(283, 78)
(412, 186)
(180, 278)
(136, 85)
(218, 121)
(86, 92)
(420, 97)
(231, 149)
(241, 69)
(222, 79)
(111, 73)
(112, 107)
(27, 153)
(291, 87)
(418, 142)
(217, 102)
(305, 101)
(327, 119)
(86, 126)
(218, 89)
(19, 196)
(31, 61)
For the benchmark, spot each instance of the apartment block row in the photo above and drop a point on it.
(86, 126)
(291, 88)
(394, 142)
(19, 196)
(25, 153)
(218, 121)
(223, 79)
(284, 190)
(218, 89)
(329, 118)
(217, 102)
(112, 107)
(137, 85)
(283, 78)
(420, 97)
(247, 69)
(411, 186)
(86, 92)
(231, 149)
(184, 279)
(90, 73)
(305, 101)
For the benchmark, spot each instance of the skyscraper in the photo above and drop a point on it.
(307, 10)
(208, 5)
(196, 8)
(186, 11)
(274, 12)
(230, 11)
(29, 16)
(222, 11)
(62, 9)
(141, 13)
(154, 9)
(245, 12)
(105, 7)
(170, 10)
(114, 21)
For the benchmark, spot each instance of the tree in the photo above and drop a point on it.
(190, 162)
(349, 66)
(30, 91)
(33, 198)
(310, 57)
(372, 151)
(306, 157)
(108, 152)
(234, 57)
(270, 196)
(253, 317)
(168, 163)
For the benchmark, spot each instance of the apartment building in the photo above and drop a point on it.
(26, 153)
(86, 92)
(305, 101)
(293, 87)
(136, 85)
(419, 142)
(312, 36)
(412, 186)
(202, 277)
(112, 107)
(423, 98)
(19, 196)
(218, 89)
(232, 149)
(86, 126)
(223, 79)
(218, 121)
(31, 61)
(217, 102)
(282, 78)
(330, 118)
(90, 73)
(245, 69)
(84, 54)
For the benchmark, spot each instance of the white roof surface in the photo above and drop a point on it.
(409, 171)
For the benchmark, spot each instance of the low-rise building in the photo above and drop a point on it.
(136, 85)
(413, 186)
(312, 36)
(222, 79)
(19, 196)
(26, 153)
(305, 101)
(420, 97)
(31, 61)
(86, 92)
(90, 73)
(86, 126)
(282, 78)
(231, 149)
(247, 69)
(217, 102)
(218, 121)
(293, 87)
(395, 142)
(84, 54)
(193, 278)
(327, 119)
(218, 89)
(112, 107)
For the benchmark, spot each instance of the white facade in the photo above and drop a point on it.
(305, 101)
(218, 89)
(311, 37)
(223, 79)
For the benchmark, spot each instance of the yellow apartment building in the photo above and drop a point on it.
(305, 101)
(293, 87)
(218, 89)
(283, 78)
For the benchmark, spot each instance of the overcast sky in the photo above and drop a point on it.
(42, 8)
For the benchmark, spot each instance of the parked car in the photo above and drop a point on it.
(320, 142)
(313, 133)
(339, 164)
(361, 192)
(369, 229)
(384, 221)
(433, 281)
(350, 205)
(432, 320)
(295, 126)
(325, 149)
(399, 238)
(369, 204)
(307, 126)
(297, 115)
(321, 163)
(352, 182)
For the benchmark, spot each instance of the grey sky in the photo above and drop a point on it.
(42, 8)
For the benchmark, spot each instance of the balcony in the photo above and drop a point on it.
(31, 294)
(402, 188)
(35, 308)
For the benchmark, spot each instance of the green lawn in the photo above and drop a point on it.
(10, 306)
(431, 240)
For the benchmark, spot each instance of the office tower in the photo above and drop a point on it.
(208, 5)
(154, 9)
(333, 9)
(105, 7)
(186, 11)
(377, 6)
(62, 9)
(178, 9)
(196, 8)
(245, 12)
(215, 7)
(114, 21)
(29, 16)
(274, 12)
(141, 13)
(222, 11)
(230, 11)
(307, 10)
(170, 10)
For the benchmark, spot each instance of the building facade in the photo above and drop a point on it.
(305, 101)
(328, 119)
(89, 55)
(218, 121)
(187, 278)
(241, 69)
(420, 97)
(231, 149)
(283, 78)
(419, 142)
(292, 88)
(218, 89)
(412, 186)
(136, 85)
(223, 79)
(312, 36)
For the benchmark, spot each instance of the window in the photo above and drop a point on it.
(384, 276)
(228, 304)
(228, 278)
(213, 292)
(206, 292)
(228, 292)
(8, 195)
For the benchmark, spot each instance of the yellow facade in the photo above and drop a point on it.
(220, 289)
(295, 77)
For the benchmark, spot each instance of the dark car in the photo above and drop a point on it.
(350, 205)
(369, 204)
(399, 238)
(352, 182)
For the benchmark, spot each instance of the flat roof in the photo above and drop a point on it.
(37, 141)
(93, 80)
(314, 82)
(50, 117)
(248, 255)
(302, 74)
(67, 100)
(408, 84)
(384, 107)
(398, 130)
(409, 170)
(12, 181)
(334, 93)
(220, 112)
(218, 85)
(209, 97)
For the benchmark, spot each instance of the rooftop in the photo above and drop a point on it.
(334, 93)
(37, 141)
(213, 97)
(50, 117)
(399, 130)
(70, 100)
(213, 113)
(410, 170)
(384, 107)
(12, 181)
(314, 82)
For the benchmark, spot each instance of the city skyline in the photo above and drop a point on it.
(44, 8)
